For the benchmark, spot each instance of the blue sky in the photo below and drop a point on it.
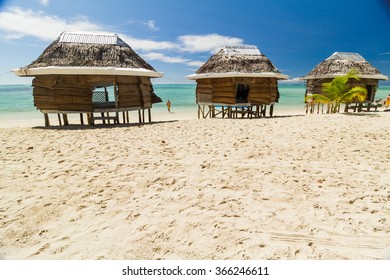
(176, 37)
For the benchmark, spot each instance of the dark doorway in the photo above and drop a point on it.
(370, 93)
(242, 93)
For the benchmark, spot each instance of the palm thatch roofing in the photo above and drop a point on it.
(340, 63)
(89, 53)
(236, 61)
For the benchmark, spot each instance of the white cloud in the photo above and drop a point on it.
(151, 24)
(207, 43)
(18, 23)
(165, 58)
(197, 63)
(44, 2)
(171, 59)
(148, 45)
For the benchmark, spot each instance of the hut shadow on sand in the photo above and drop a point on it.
(101, 126)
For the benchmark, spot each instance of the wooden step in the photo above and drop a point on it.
(92, 119)
(104, 118)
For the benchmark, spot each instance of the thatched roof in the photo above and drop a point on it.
(89, 53)
(233, 61)
(340, 63)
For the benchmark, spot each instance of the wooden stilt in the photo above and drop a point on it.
(143, 115)
(90, 119)
(139, 116)
(149, 115)
(81, 119)
(263, 110)
(65, 117)
(271, 110)
(59, 119)
(47, 121)
(127, 117)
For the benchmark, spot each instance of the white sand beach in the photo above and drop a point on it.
(298, 187)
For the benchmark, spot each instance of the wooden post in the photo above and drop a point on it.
(59, 119)
(127, 117)
(90, 118)
(47, 122)
(66, 122)
(143, 115)
(198, 111)
(271, 110)
(139, 116)
(149, 115)
(81, 119)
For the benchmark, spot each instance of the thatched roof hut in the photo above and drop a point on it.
(237, 76)
(72, 71)
(340, 63)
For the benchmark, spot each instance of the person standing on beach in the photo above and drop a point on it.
(168, 105)
(387, 101)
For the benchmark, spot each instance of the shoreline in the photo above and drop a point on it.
(300, 187)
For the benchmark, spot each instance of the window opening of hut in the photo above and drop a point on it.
(103, 97)
(242, 93)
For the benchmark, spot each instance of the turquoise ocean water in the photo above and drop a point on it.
(16, 101)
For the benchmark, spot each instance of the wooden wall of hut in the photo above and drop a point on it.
(315, 86)
(74, 92)
(223, 90)
(62, 93)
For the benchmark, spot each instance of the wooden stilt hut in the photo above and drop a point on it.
(96, 74)
(340, 63)
(237, 82)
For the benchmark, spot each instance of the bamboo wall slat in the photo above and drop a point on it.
(74, 92)
(223, 90)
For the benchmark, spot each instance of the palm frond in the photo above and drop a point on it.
(319, 98)
(357, 93)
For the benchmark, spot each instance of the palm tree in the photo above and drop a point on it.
(338, 91)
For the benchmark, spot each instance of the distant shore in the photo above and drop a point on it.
(298, 187)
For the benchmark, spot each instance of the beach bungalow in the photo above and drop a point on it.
(340, 63)
(93, 73)
(237, 81)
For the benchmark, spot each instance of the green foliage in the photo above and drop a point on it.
(338, 91)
